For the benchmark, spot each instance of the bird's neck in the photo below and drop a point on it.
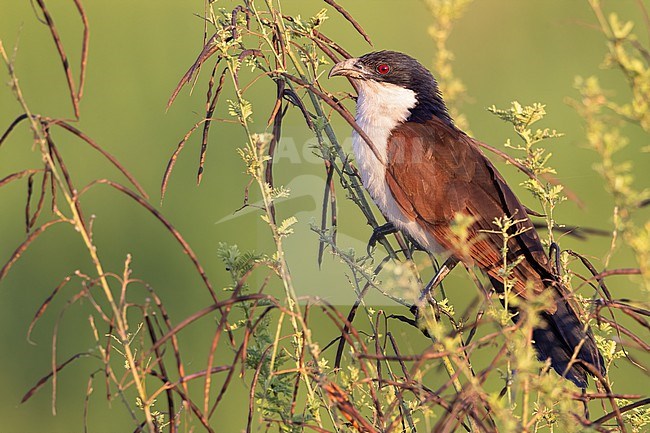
(430, 104)
(381, 107)
(384, 106)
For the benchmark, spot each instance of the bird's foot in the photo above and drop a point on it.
(417, 315)
(379, 233)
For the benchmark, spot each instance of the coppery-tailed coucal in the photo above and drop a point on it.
(422, 171)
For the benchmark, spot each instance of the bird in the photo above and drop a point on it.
(423, 172)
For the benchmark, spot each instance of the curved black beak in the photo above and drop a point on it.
(349, 68)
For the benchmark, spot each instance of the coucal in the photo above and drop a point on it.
(422, 171)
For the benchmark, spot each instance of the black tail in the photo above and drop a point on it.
(559, 339)
(559, 336)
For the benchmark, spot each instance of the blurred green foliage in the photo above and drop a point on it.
(503, 50)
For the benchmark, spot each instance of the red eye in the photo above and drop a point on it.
(383, 69)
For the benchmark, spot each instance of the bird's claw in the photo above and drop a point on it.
(415, 310)
(378, 233)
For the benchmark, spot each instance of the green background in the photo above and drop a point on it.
(505, 50)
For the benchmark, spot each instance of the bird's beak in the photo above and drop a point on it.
(348, 68)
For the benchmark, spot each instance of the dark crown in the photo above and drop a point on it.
(405, 71)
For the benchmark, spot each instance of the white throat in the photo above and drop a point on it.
(380, 108)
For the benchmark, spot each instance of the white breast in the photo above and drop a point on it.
(380, 108)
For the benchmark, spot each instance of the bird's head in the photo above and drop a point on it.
(389, 71)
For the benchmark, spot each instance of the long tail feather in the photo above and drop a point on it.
(558, 338)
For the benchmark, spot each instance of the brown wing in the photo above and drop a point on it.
(434, 172)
